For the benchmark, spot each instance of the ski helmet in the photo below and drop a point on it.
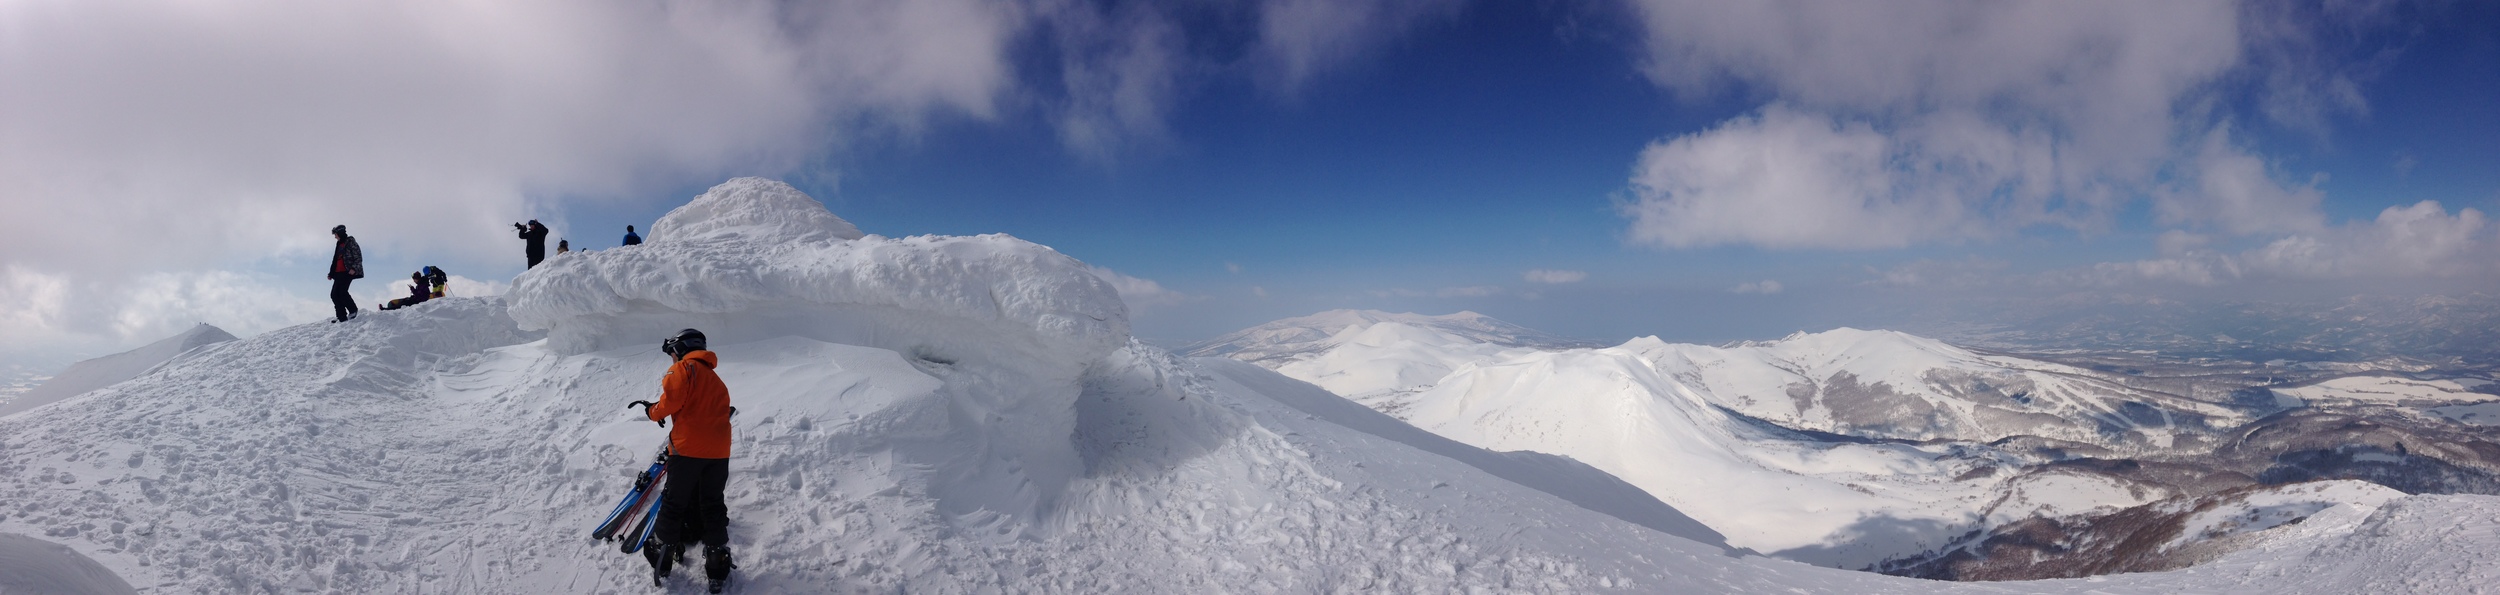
(685, 342)
(338, 230)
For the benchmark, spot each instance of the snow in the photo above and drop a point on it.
(1369, 361)
(1311, 336)
(2480, 414)
(1841, 505)
(112, 369)
(952, 415)
(759, 209)
(2390, 389)
(35, 566)
(1683, 422)
(2276, 506)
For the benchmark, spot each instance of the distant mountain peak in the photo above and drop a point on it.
(1318, 332)
(86, 376)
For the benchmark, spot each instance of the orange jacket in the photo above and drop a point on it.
(695, 395)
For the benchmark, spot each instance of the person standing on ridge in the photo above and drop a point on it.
(692, 507)
(630, 238)
(563, 246)
(347, 264)
(536, 235)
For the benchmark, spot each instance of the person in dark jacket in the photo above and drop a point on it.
(347, 264)
(692, 507)
(417, 293)
(536, 235)
(630, 238)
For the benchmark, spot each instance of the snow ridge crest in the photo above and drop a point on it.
(756, 208)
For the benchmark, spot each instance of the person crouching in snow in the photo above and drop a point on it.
(691, 507)
(417, 293)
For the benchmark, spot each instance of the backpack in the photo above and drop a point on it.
(435, 277)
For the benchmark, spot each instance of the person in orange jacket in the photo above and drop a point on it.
(691, 507)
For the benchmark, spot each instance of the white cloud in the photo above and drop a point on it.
(1765, 287)
(1900, 123)
(217, 128)
(1785, 178)
(1555, 276)
(2235, 191)
(1232, 268)
(1141, 293)
(1301, 39)
(1444, 293)
(53, 312)
(1118, 71)
(1948, 274)
(2422, 240)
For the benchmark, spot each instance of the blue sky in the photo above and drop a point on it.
(1701, 171)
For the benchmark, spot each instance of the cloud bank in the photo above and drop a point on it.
(1555, 276)
(1141, 294)
(1896, 124)
(2418, 241)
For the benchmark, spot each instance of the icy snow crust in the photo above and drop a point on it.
(449, 448)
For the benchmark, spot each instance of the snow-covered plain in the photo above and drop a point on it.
(917, 415)
(2382, 388)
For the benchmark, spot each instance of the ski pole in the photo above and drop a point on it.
(646, 411)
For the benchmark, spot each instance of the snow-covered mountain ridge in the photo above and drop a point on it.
(1921, 443)
(467, 445)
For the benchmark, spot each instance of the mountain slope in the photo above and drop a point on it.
(1904, 446)
(467, 444)
(1368, 354)
(111, 369)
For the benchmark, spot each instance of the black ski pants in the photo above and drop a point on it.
(340, 301)
(691, 507)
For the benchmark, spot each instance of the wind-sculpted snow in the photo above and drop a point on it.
(760, 209)
(754, 258)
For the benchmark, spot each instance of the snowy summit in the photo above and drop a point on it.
(922, 414)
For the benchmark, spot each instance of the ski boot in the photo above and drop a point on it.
(663, 556)
(716, 566)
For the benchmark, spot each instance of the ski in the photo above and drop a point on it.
(629, 512)
(645, 485)
(642, 531)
